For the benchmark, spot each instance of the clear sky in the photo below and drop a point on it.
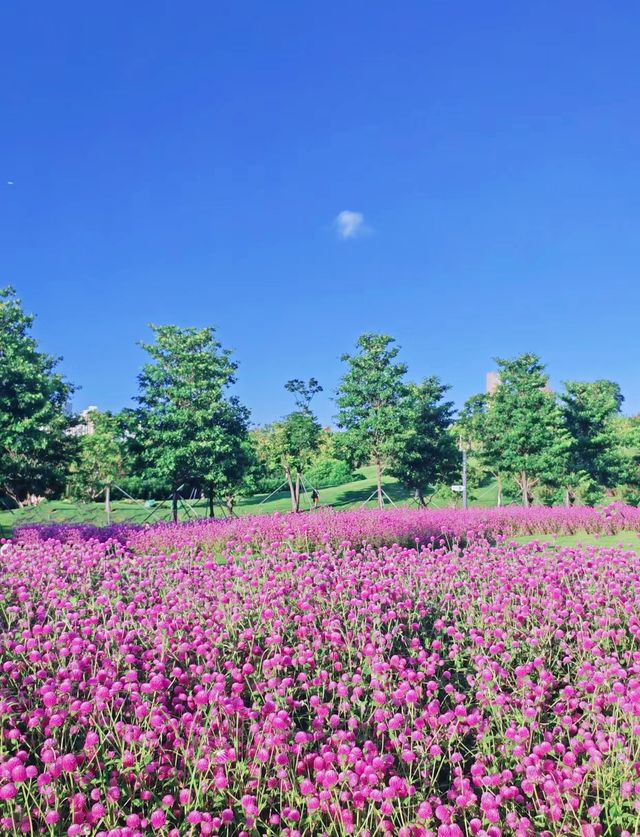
(186, 163)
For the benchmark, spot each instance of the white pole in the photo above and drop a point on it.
(465, 502)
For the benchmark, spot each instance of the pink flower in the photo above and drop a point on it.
(425, 811)
(158, 819)
(9, 791)
(19, 773)
(68, 762)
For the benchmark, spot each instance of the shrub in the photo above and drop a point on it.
(326, 472)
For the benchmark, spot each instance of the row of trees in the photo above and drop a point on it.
(572, 447)
(188, 431)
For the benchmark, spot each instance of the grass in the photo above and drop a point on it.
(356, 494)
(348, 495)
(626, 540)
(351, 495)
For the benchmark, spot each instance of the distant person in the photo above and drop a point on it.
(315, 498)
(230, 503)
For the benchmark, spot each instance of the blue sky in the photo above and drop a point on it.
(186, 162)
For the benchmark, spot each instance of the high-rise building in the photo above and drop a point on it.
(85, 427)
(492, 382)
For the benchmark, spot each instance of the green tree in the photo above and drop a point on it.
(190, 430)
(424, 452)
(290, 444)
(628, 442)
(369, 404)
(474, 429)
(628, 432)
(100, 459)
(526, 437)
(263, 476)
(35, 444)
(595, 459)
(329, 465)
(303, 393)
(139, 478)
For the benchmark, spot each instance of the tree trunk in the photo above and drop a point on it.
(499, 481)
(174, 506)
(211, 509)
(421, 500)
(524, 487)
(379, 480)
(107, 503)
(19, 503)
(292, 490)
(298, 475)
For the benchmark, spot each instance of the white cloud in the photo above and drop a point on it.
(350, 224)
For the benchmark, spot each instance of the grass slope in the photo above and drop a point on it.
(351, 495)
(624, 540)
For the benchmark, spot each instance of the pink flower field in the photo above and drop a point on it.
(402, 525)
(401, 673)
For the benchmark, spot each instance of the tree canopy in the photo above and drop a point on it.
(191, 430)
(369, 399)
(595, 461)
(35, 445)
(100, 458)
(291, 444)
(525, 436)
(424, 451)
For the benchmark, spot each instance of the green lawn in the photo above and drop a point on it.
(626, 540)
(350, 495)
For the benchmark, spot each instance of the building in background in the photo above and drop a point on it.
(492, 382)
(85, 426)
